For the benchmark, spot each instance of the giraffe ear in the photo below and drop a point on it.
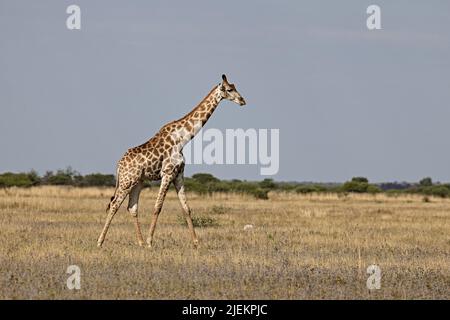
(224, 78)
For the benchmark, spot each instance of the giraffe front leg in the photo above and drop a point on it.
(165, 183)
(179, 186)
(133, 210)
(114, 206)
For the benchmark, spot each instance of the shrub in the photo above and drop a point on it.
(207, 184)
(439, 191)
(426, 182)
(10, 179)
(193, 185)
(360, 180)
(221, 186)
(204, 178)
(305, 189)
(355, 186)
(287, 187)
(373, 189)
(98, 179)
(34, 177)
(60, 180)
(267, 184)
(65, 177)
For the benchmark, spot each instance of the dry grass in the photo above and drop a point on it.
(312, 246)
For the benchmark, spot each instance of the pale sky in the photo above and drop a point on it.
(347, 101)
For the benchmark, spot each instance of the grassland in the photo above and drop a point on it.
(301, 247)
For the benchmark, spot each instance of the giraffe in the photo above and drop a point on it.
(161, 158)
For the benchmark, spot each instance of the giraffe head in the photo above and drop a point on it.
(228, 91)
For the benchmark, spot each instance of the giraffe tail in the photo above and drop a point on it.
(115, 191)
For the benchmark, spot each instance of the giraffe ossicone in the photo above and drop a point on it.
(161, 158)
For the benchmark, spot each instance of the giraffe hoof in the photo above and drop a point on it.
(196, 244)
(141, 243)
(99, 244)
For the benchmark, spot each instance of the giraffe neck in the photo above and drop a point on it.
(188, 126)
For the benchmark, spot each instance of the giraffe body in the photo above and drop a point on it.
(161, 158)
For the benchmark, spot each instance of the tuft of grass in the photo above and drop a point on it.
(219, 209)
(260, 193)
(199, 221)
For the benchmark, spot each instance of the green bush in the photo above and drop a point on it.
(205, 183)
(193, 185)
(10, 179)
(360, 180)
(426, 182)
(34, 177)
(267, 184)
(204, 178)
(309, 188)
(60, 180)
(221, 186)
(98, 179)
(286, 187)
(437, 190)
(373, 189)
(359, 185)
(355, 186)
(65, 177)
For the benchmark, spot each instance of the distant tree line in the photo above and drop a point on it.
(362, 185)
(67, 177)
(205, 183)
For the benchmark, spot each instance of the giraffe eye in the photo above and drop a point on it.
(229, 90)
